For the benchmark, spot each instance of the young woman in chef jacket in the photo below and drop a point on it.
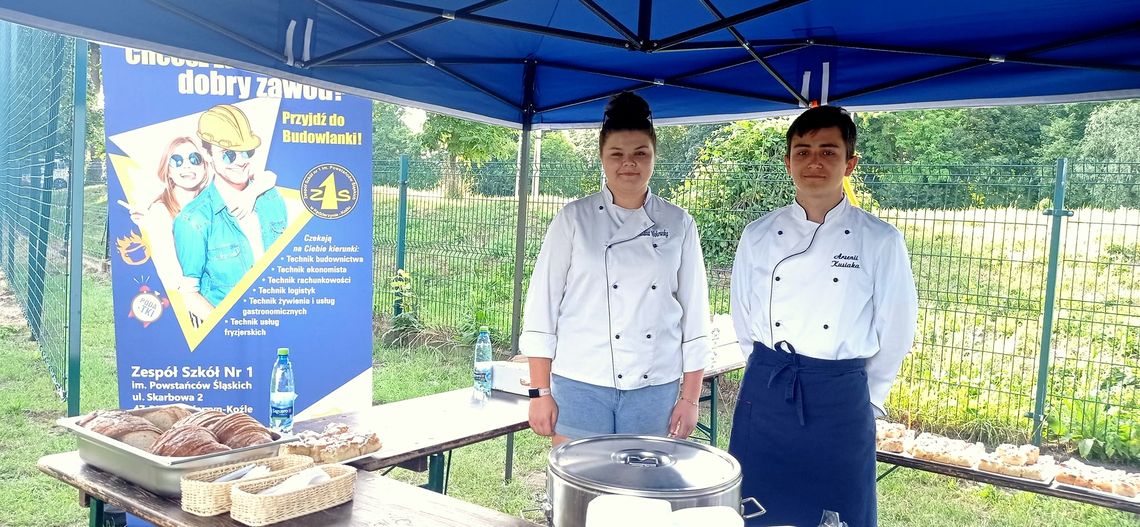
(825, 309)
(615, 324)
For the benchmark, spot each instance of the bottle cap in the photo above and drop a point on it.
(484, 329)
(282, 352)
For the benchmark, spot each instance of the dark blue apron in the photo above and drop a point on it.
(804, 434)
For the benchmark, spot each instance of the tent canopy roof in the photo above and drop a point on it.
(554, 62)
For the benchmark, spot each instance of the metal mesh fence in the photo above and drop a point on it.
(979, 245)
(36, 115)
(1094, 379)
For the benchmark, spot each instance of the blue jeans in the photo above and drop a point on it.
(586, 410)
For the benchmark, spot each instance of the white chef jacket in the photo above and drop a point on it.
(619, 297)
(842, 289)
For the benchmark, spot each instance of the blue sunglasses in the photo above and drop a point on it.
(229, 156)
(176, 160)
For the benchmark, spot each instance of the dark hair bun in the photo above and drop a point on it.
(627, 111)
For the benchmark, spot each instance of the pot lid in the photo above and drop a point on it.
(645, 464)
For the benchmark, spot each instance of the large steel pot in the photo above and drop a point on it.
(684, 473)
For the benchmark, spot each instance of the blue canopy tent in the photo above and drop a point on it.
(552, 63)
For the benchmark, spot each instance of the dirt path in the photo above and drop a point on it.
(11, 312)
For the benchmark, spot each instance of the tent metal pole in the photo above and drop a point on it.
(511, 24)
(382, 38)
(417, 62)
(613, 22)
(523, 193)
(219, 29)
(756, 56)
(420, 57)
(673, 82)
(645, 21)
(458, 76)
(738, 18)
(916, 78)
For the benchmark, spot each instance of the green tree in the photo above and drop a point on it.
(564, 170)
(1113, 133)
(738, 177)
(465, 146)
(390, 136)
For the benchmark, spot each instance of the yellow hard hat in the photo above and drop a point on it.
(227, 126)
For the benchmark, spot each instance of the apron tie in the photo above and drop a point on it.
(794, 392)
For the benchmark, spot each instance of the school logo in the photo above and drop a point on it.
(329, 191)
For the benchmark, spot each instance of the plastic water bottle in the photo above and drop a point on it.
(482, 389)
(282, 394)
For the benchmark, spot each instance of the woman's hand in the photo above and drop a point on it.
(243, 203)
(543, 414)
(684, 418)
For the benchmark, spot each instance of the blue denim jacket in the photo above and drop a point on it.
(212, 248)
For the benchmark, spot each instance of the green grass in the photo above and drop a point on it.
(29, 406)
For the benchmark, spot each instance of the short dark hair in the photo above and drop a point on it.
(627, 111)
(822, 117)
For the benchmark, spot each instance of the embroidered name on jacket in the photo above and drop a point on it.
(845, 260)
(655, 233)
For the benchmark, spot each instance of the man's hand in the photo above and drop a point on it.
(543, 414)
(684, 419)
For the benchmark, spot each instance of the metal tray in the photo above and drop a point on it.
(161, 475)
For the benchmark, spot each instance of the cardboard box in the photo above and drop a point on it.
(510, 377)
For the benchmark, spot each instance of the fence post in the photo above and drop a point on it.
(1057, 212)
(75, 222)
(401, 228)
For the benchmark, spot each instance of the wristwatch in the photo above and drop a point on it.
(535, 393)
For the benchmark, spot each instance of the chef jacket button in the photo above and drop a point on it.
(645, 376)
(781, 233)
(600, 207)
(615, 286)
(834, 279)
(618, 337)
(777, 279)
(655, 246)
(654, 286)
(825, 326)
(846, 231)
(619, 375)
(648, 336)
(777, 324)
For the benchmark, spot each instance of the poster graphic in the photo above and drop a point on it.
(240, 221)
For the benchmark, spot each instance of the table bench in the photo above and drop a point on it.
(1000, 480)
(378, 501)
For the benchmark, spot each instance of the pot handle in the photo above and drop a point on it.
(760, 508)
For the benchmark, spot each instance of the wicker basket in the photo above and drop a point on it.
(203, 497)
(252, 509)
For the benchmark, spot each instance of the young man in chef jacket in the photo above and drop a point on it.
(825, 309)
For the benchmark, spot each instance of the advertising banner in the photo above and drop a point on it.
(240, 222)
